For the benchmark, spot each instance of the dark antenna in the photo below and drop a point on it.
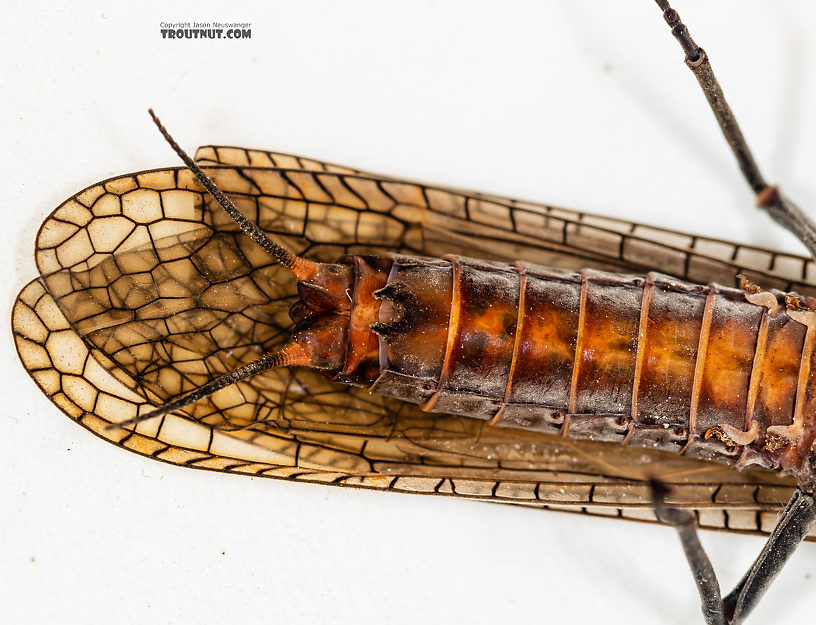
(302, 268)
(290, 354)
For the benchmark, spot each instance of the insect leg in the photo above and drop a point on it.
(790, 530)
(704, 576)
(780, 208)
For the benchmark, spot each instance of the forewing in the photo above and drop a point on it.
(146, 286)
(511, 229)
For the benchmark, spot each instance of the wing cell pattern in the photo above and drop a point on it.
(147, 291)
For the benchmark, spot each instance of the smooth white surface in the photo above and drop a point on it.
(580, 103)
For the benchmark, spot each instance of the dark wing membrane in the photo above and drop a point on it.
(148, 291)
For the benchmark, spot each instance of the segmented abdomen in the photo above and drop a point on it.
(709, 371)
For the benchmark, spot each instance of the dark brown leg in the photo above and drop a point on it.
(790, 530)
(780, 208)
(800, 512)
(704, 576)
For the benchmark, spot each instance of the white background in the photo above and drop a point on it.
(580, 103)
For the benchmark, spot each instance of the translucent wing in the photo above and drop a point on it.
(146, 291)
(568, 238)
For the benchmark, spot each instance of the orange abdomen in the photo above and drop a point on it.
(709, 371)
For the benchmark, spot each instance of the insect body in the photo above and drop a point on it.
(644, 361)
(143, 278)
(146, 295)
(710, 372)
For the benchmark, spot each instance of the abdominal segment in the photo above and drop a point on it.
(647, 361)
